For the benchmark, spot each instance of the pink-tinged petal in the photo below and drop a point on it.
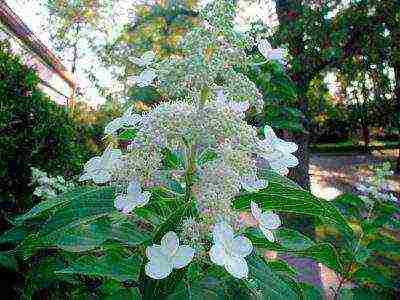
(183, 257)
(237, 267)
(255, 211)
(276, 54)
(113, 126)
(269, 133)
(148, 57)
(134, 187)
(239, 107)
(267, 233)
(291, 161)
(283, 146)
(154, 252)
(158, 268)
(170, 243)
(264, 47)
(140, 199)
(217, 254)
(93, 164)
(221, 96)
(270, 220)
(85, 176)
(101, 176)
(132, 120)
(242, 246)
(279, 166)
(123, 204)
(222, 232)
(252, 184)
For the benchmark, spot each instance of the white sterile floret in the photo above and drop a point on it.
(252, 184)
(229, 251)
(143, 79)
(271, 53)
(277, 152)
(132, 199)
(128, 119)
(99, 168)
(237, 107)
(145, 60)
(267, 221)
(167, 256)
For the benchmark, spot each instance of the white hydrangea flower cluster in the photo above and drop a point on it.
(377, 187)
(48, 187)
(204, 123)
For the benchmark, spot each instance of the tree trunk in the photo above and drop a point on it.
(366, 139)
(301, 174)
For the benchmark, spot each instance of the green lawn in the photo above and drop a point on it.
(352, 146)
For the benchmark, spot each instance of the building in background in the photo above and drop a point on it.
(56, 81)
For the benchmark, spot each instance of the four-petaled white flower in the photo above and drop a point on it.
(270, 53)
(143, 79)
(277, 152)
(99, 168)
(167, 256)
(132, 199)
(267, 221)
(127, 119)
(237, 107)
(145, 60)
(229, 251)
(252, 184)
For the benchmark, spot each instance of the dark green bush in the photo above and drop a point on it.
(34, 131)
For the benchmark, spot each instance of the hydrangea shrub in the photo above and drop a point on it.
(188, 204)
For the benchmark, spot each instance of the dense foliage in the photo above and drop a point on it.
(34, 131)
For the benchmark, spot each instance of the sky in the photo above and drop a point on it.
(35, 16)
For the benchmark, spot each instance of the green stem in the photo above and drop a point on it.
(190, 171)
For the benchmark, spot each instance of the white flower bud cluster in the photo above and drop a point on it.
(48, 187)
(139, 164)
(217, 185)
(377, 187)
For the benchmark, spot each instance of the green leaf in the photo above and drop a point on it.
(82, 208)
(311, 292)
(14, 235)
(8, 261)
(206, 156)
(127, 134)
(70, 223)
(293, 239)
(361, 294)
(324, 253)
(297, 244)
(370, 275)
(282, 266)
(111, 265)
(129, 233)
(83, 237)
(268, 282)
(42, 207)
(114, 290)
(209, 288)
(285, 198)
(349, 205)
(172, 160)
(174, 219)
